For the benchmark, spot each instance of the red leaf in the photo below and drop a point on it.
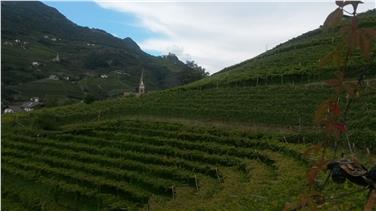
(333, 57)
(364, 44)
(371, 201)
(335, 109)
(370, 32)
(333, 19)
(315, 170)
(341, 127)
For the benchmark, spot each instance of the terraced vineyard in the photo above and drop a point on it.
(288, 107)
(295, 61)
(122, 164)
(135, 163)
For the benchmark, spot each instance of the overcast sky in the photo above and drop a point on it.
(214, 34)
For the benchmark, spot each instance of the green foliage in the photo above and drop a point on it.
(89, 99)
(44, 121)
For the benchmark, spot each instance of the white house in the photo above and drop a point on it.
(35, 99)
(35, 64)
(8, 111)
(30, 106)
(12, 109)
(104, 76)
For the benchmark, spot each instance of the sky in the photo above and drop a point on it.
(215, 34)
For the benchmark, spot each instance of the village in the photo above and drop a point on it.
(36, 102)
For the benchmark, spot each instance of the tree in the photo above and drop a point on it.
(192, 64)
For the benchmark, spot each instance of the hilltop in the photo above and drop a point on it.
(295, 61)
(39, 42)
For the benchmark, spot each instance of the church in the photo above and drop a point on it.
(141, 87)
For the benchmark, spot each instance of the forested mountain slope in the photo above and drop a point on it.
(33, 35)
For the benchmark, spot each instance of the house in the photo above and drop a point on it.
(35, 99)
(35, 64)
(30, 106)
(8, 111)
(12, 109)
(104, 76)
(8, 43)
(53, 39)
(53, 77)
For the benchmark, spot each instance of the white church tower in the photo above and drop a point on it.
(57, 58)
(141, 87)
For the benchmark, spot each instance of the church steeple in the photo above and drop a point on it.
(141, 87)
(57, 58)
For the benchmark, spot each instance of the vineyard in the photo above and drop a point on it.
(158, 152)
(242, 139)
(290, 107)
(131, 164)
(295, 61)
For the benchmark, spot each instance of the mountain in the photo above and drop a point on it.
(295, 61)
(39, 42)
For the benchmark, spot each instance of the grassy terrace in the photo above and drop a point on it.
(182, 149)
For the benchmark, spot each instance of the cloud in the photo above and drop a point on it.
(217, 35)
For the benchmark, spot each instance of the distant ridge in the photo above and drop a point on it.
(35, 32)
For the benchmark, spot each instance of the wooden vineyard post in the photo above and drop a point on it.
(173, 192)
(284, 138)
(196, 182)
(217, 173)
(282, 79)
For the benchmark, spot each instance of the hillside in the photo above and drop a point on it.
(34, 32)
(295, 61)
(182, 149)
(216, 144)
